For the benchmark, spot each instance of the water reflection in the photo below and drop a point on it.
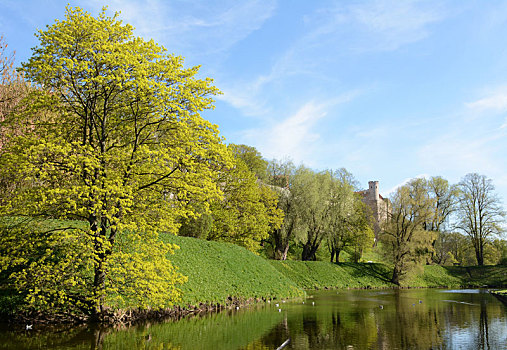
(386, 319)
(406, 319)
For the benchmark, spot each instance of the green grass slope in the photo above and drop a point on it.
(320, 275)
(219, 271)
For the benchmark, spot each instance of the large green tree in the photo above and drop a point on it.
(445, 198)
(281, 177)
(314, 209)
(121, 151)
(252, 158)
(248, 210)
(480, 212)
(349, 219)
(403, 237)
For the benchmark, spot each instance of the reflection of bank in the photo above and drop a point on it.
(411, 324)
(500, 295)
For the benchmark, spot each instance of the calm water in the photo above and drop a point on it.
(365, 319)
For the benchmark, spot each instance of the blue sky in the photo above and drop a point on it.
(390, 90)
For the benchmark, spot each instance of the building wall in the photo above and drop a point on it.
(379, 205)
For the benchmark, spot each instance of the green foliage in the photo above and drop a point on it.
(116, 142)
(248, 211)
(218, 271)
(244, 216)
(252, 158)
(350, 222)
(403, 237)
(281, 179)
(313, 206)
(480, 212)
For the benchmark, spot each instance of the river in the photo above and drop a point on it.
(343, 319)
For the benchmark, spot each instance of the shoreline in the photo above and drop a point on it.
(176, 313)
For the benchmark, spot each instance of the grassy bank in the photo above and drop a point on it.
(218, 272)
(221, 273)
(320, 275)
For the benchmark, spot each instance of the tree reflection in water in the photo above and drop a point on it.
(348, 320)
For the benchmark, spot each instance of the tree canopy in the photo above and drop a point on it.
(403, 236)
(116, 145)
(481, 214)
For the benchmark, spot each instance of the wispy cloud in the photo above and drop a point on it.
(197, 27)
(292, 137)
(298, 136)
(382, 25)
(495, 101)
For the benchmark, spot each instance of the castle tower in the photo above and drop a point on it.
(373, 193)
(378, 204)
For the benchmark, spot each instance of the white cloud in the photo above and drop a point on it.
(296, 136)
(382, 25)
(496, 102)
(198, 27)
(292, 137)
(246, 96)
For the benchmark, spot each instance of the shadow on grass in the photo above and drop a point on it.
(492, 276)
(377, 271)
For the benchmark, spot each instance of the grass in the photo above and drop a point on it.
(220, 272)
(321, 275)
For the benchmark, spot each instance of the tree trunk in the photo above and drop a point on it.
(396, 275)
(285, 251)
(99, 280)
(338, 251)
(480, 258)
(305, 255)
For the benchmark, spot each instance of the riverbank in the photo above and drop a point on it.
(216, 271)
(222, 275)
(226, 274)
(325, 275)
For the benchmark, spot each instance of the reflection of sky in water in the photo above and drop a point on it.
(468, 337)
(462, 291)
(460, 302)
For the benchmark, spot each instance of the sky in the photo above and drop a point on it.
(389, 90)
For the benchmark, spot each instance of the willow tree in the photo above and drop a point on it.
(119, 148)
(403, 237)
(281, 179)
(349, 218)
(313, 208)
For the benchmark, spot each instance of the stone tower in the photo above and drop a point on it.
(373, 193)
(379, 205)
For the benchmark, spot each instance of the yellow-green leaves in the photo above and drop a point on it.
(115, 143)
